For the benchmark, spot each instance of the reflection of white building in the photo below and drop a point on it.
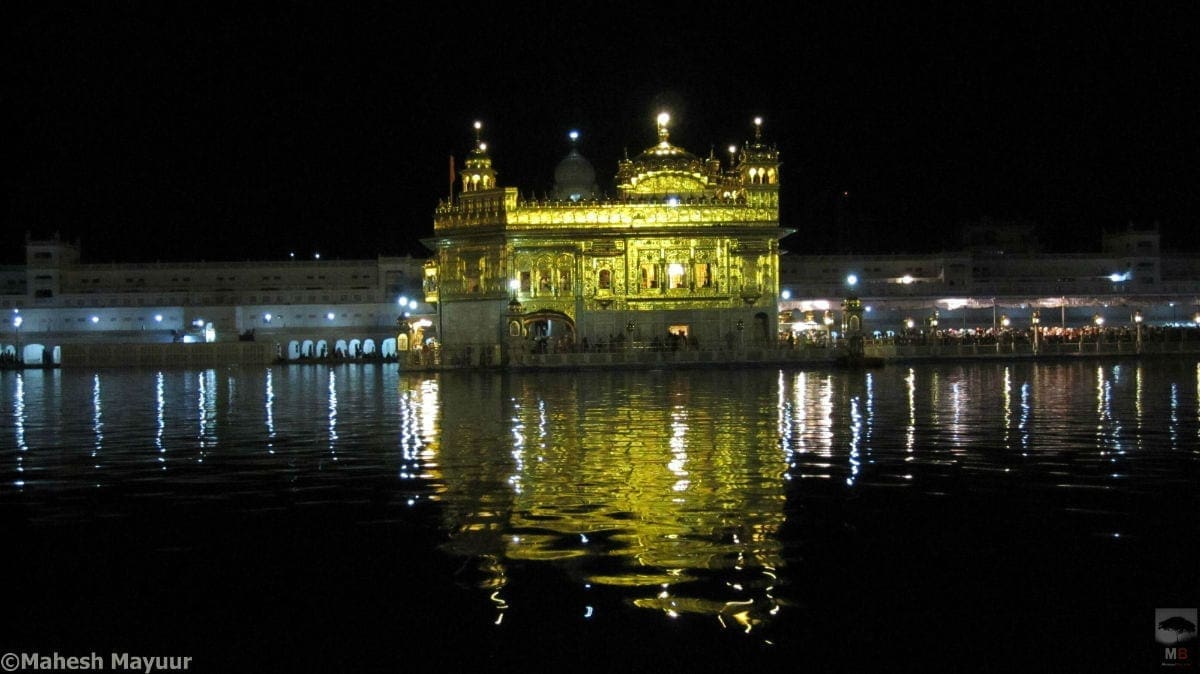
(975, 288)
(308, 308)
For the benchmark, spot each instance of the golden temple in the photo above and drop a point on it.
(687, 251)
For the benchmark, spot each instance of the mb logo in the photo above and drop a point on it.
(1175, 632)
(1175, 654)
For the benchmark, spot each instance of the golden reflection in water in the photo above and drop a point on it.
(650, 486)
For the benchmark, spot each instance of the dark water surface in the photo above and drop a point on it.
(966, 517)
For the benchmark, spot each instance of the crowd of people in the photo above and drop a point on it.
(1048, 335)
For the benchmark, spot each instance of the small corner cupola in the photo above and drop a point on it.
(478, 175)
(574, 177)
(759, 163)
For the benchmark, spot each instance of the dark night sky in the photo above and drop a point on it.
(165, 130)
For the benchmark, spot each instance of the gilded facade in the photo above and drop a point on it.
(688, 248)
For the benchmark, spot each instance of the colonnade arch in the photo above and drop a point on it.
(341, 348)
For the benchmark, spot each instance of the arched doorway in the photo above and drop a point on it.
(761, 329)
(368, 347)
(293, 350)
(388, 349)
(33, 354)
(549, 331)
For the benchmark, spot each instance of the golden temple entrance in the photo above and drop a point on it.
(549, 331)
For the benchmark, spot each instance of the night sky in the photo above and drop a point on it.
(183, 131)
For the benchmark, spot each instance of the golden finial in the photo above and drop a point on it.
(479, 135)
(757, 129)
(663, 120)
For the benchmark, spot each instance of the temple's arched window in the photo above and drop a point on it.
(676, 278)
(649, 275)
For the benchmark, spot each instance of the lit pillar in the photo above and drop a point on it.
(403, 336)
(852, 310)
(17, 321)
(514, 333)
(1035, 321)
(1137, 326)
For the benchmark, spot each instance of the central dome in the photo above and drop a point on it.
(663, 170)
(667, 157)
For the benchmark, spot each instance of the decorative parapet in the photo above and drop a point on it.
(520, 215)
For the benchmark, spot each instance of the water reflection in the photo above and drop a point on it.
(160, 418)
(333, 436)
(97, 419)
(651, 489)
(19, 428)
(269, 396)
(672, 491)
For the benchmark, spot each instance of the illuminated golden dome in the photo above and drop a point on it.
(663, 169)
(664, 156)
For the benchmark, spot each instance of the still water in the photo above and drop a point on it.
(956, 516)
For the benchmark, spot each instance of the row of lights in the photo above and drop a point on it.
(19, 320)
